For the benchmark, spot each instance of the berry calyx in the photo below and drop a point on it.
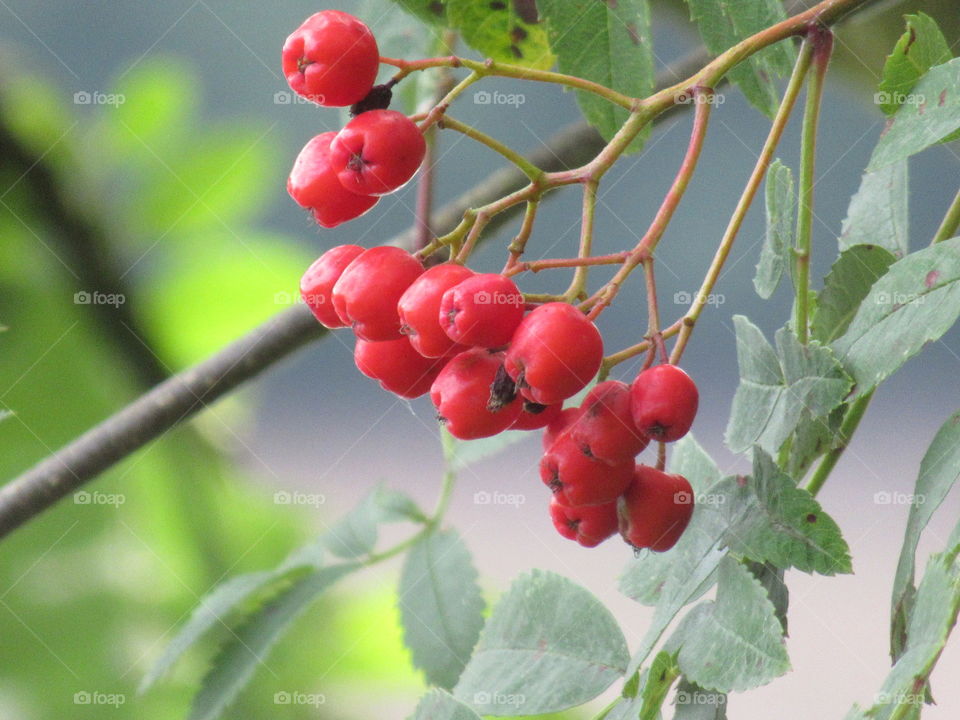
(554, 353)
(419, 309)
(589, 525)
(331, 59)
(534, 416)
(577, 478)
(397, 366)
(316, 285)
(482, 311)
(663, 401)
(655, 509)
(314, 185)
(365, 297)
(377, 152)
(605, 424)
(465, 397)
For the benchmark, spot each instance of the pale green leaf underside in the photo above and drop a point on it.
(440, 705)
(780, 209)
(878, 212)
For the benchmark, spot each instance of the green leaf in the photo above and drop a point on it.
(776, 387)
(772, 520)
(878, 212)
(608, 43)
(934, 616)
(723, 23)
(933, 115)
(249, 645)
(939, 470)
(548, 645)
(429, 11)
(355, 534)
(813, 438)
(695, 703)
(846, 285)
(781, 207)
(663, 671)
(733, 643)
(771, 577)
(441, 705)
(647, 575)
(441, 607)
(921, 47)
(917, 301)
(499, 31)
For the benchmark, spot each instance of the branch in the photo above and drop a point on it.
(183, 395)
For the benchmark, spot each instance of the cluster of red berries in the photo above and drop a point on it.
(491, 362)
(332, 59)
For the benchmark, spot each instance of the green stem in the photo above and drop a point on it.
(519, 243)
(746, 200)
(822, 41)
(525, 166)
(578, 286)
(951, 221)
(847, 428)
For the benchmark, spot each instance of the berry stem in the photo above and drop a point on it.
(519, 243)
(746, 199)
(951, 221)
(616, 358)
(535, 266)
(437, 111)
(578, 286)
(821, 40)
(524, 165)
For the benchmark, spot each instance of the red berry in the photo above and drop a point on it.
(331, 59)
(377, 152)
(314, 185)
(367, 292)
(483, 311)
(589, 525)
(317, 282)
(655, 509)
(419, 309)
(558, 426)
(605, 424)
(466, 399)
(399, 368)
(578, 478)
(554, 353)
(534, 416)
(663, 401)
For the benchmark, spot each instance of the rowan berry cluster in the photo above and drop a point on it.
(489, 359)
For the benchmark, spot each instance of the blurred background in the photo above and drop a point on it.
(169, 128)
